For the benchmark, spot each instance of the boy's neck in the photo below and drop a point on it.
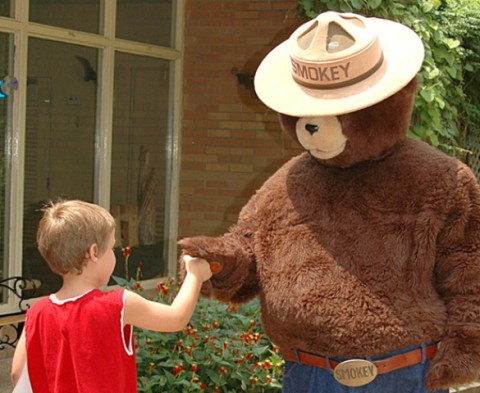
(74, 285)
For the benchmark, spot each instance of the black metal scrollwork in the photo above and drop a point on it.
(10, 333)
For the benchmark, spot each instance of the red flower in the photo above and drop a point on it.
(162, 289)
(223, 371)
(266, 365)
(194, 368)
(126, 251)
(215, 325)
(178, 369)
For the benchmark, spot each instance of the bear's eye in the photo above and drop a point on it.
(311, 128)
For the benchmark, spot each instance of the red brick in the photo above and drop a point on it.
(231, 142)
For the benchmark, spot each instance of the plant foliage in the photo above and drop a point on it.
(447, 107)
(222, 350)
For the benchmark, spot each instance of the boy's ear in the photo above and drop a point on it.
(92, 252)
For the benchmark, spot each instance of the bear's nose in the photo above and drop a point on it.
(311, 128)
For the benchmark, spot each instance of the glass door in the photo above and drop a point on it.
(60, 139)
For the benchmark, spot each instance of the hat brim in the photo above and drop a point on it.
(403, 53)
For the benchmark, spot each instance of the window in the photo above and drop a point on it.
(140, 159)
(92, 118)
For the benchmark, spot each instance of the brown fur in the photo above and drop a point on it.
(374, 250)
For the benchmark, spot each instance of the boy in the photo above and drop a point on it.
(80, 339)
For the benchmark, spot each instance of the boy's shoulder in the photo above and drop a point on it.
(113, 296)
(39, 305)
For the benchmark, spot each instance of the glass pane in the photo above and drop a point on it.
(60, 139)
(140, 161)
(82, 15)
(148, 21)
(5, 8)
(5, 109)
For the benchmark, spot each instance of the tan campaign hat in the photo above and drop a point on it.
(338, 63)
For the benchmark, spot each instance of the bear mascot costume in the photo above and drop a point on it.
(365, 249)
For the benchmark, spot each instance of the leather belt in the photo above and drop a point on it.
(383, 366)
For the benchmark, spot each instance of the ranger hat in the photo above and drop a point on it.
(338, 63)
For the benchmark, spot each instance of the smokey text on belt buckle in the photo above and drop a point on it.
(355, 372)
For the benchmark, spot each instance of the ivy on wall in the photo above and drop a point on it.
(447, 109)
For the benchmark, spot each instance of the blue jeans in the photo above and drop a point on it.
(299, 378)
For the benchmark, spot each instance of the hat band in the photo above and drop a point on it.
(341, 73)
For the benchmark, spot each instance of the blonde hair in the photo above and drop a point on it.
(68, 229)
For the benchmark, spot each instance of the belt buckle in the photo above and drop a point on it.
(355, 372)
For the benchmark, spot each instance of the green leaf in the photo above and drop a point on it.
(120, 281)
(357, 4)
(260, 350)
(433, 73)
(374, 4)
(427, 6)
(451, 43)
(345, 7)
(427, 95)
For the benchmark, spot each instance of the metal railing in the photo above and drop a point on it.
(11, 325)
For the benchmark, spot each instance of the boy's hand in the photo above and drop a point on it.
(198, 267)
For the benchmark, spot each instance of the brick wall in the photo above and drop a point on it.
(231, 142)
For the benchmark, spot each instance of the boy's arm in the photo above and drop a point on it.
(19, 359)
(155, 316)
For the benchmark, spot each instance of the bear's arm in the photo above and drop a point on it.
(237, 281)
(457, 278)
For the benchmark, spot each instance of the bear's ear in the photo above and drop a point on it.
(288, 124)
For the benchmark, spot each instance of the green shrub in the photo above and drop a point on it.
(222, 350)
(447, 107)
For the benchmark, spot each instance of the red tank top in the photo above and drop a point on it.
(80, 345)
